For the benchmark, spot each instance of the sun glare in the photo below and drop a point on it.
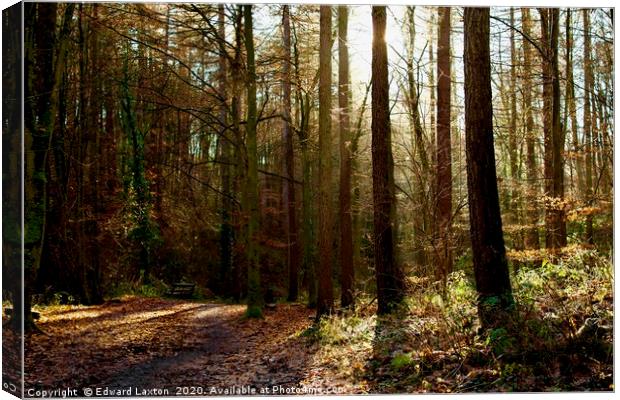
(360, 43)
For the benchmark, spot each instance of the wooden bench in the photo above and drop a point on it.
(182, 290)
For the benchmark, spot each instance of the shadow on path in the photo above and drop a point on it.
(156, 343)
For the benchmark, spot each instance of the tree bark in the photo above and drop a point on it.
(390, 279)
(421, 169)
(572, 110)
(553, 138)
(587, 122)
(325, 298)
(226, 229)
(532, 240)
(13, 200)
(431, 83)
(443, 188)
(45, 54)
(92, 264)
(513, 152)
(344, 94)
(240, 153)
(307, 221)
(490, 265)
(288, 187)
(255, 299)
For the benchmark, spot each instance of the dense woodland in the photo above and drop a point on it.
(461, 181)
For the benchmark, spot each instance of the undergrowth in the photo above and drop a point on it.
(156, 288)
(559, 338)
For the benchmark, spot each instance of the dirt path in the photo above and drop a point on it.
(154, 343)
(205, 336)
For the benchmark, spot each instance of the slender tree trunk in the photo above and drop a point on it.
(572, 108)
(390, 278)
(444, 147)
(140, 206)
(605, 181)
(513, 151)
(558, 137)
(308, 241)
(288, 187)
(70, 274)
(325, 298)
(587, 121)
(240, 154)
(308, 237)
(413, 97)
(13, 200)
(87, 277)
(595, 141)
(92, 266)
(554, 144)
(226, 229)
(344, 94)
(357, 220)
(431, 82)
(82, 182)
(255, 300)
(532, 240)
(421, 170)
(490, 265)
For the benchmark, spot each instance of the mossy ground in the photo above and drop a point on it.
(559, 339)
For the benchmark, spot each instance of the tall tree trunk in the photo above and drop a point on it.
(605, 179)
(288, 187)
(444, 147)
(226, 229)
(69, 274)
(240, 154)
(558, 137)
(307, 239)
(82, 181)
(140, 204)
(595, 141)
(431, 81)
(413, 96)
(421, 170)
(255, 300)
(87, 276)
(39, 47)
(356, 206)
(553, 138)
(346, 229)
(490, 265)
(532, 240)
(92, 266)
(12, 201)
(325, 298)
(45, 55)
(572, 109)
(513, 151)
(390, 278)
(587, 121)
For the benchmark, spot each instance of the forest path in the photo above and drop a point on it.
(185, 347)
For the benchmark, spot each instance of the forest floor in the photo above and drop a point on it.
(562, 340)
(185, 347)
